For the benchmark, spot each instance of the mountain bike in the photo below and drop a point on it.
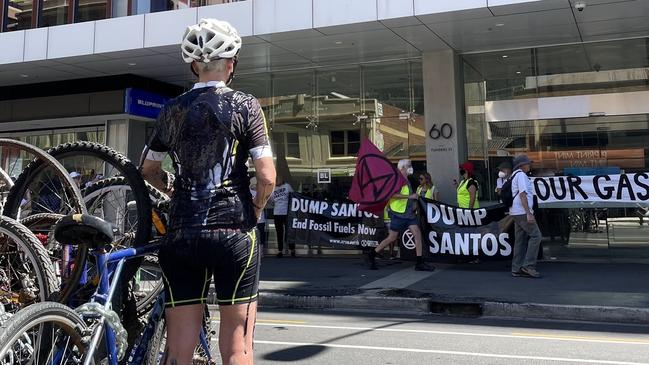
(51, 333)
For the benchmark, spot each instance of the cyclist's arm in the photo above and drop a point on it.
(262, 156)
(154, 175)
(265, 173)
(153, 155)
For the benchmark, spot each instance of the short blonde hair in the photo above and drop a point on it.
(213, 66)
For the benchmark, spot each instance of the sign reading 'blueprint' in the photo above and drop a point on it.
(143, 103)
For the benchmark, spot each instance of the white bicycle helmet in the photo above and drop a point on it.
(210, 40)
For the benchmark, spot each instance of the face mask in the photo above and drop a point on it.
(462, 172)
(410, 171)
(502, 174)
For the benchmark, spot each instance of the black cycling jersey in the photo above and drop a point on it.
(209, 133)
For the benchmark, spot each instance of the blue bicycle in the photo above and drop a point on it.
(50, 333)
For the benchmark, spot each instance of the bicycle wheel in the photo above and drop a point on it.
(147, 285)
(44, 333)
(62, 256)
(105, 196)
(48, 182)
(79, 156)
(27, 274)
(135, 202)
(5, 185)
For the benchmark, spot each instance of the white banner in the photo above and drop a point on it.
(624, 188)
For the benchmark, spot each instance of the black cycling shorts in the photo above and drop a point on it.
(189, 260)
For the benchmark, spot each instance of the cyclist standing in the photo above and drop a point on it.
(209, 132)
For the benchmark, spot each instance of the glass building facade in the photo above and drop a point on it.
(601, 127)
(318, 118)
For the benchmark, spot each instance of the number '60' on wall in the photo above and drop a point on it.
(444, 131)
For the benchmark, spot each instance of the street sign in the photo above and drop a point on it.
(324, 176)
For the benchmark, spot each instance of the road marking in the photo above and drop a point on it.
(260, 321)
(594, 338)
(631, 341)
(444, 352)
(400, 279)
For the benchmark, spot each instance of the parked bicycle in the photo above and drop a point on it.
(55, 334)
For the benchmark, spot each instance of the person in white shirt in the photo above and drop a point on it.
(280, 199)
(528, 235)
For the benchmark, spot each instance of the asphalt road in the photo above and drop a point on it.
(291, 337)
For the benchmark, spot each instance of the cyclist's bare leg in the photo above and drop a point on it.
(183, 329)
(235, 343)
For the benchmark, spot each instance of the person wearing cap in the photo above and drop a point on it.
(527, 233)
(504, 172)
(76, 177)
(467, 190)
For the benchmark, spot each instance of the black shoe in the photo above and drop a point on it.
(293, 253)
(422, 266)
(279, 255)
(371, 260)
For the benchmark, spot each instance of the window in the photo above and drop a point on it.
(19, 15)
(91, 10)
(286, 143)
(345, 143)
(55, 12)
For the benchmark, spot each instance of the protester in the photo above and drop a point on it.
(76, 177)
(467, 190)
(401, 210)
(504, 172)
(261, 222)
(386, 221)
(426, 187)
(527, 233)
(280, 210)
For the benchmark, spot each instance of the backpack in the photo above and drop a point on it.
(506, 195)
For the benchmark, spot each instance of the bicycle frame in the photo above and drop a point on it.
(105, 290)
(111, 264)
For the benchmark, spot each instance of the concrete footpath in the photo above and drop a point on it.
(602, 292)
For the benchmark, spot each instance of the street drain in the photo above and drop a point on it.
(456, 309)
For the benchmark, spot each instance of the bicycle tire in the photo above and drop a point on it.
(42, 159)
(125, 168)
(104, 153)
(146, 302)
(40, 314)
(94, 192)
(43, 269)
(44, 222)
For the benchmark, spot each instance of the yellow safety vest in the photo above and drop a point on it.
(399, 205)
(428, 194)
(464, 197)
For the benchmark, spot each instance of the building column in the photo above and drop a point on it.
(445, 123)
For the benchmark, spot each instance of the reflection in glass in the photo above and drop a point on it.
(19, 15)
(318, 118)
(91, 10)
(55, 12)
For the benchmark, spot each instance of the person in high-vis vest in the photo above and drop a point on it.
(403, 216)
(467, 189)
(426, 187)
